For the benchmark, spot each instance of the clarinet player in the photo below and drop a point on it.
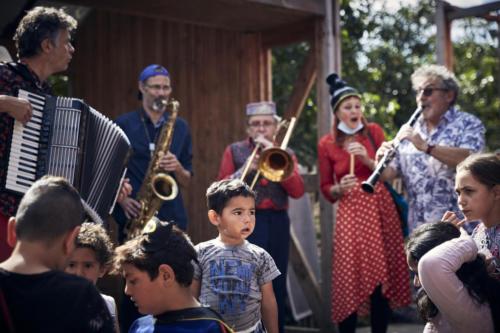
(429, 151)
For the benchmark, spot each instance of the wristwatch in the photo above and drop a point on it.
(429, 149)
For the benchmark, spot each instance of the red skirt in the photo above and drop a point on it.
(367, 251)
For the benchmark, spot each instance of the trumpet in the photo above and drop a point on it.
(369, 184)
(274, 163)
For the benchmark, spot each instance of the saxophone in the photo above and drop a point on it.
(157, 185)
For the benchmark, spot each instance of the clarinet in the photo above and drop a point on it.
(369, 184)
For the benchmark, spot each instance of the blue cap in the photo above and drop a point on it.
(153, 70)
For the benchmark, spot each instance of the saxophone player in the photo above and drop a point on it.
(142, 126)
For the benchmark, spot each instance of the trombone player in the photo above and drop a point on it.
(272, 222)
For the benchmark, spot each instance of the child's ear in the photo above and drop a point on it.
(166, 274)
(496, 191)
(69, 240)
(11, 232)
(213, 217)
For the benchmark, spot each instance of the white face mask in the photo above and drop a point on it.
(347, 130)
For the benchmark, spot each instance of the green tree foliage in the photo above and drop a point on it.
(380, 51)
(286, 66)
(478, 70)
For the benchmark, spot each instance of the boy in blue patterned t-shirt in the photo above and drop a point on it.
(233, 276)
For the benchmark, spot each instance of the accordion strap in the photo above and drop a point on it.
(21, 70)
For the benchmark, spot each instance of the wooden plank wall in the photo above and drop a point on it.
(214, 74)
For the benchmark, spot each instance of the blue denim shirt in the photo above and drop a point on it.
(429, 183)
(181, 147)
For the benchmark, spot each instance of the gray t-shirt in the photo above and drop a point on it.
(230, 279)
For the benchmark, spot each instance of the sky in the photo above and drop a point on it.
(395, 4)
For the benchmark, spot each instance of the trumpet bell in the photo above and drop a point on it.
(275, 164)
(164, 186)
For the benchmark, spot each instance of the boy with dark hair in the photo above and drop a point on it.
(158, 272)
(233, 276)
(34, 295)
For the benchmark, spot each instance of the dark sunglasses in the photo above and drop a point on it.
(429, 91)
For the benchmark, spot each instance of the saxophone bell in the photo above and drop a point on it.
(164, 186)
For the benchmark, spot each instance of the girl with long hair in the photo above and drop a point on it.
(457, 294)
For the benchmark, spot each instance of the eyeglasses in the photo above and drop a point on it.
(158, 87)
(258, 124)
(428, 91)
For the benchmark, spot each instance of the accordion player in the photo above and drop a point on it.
(66, 137)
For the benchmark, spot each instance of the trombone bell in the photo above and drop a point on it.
(276, 164)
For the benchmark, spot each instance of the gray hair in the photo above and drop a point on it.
(436, 73)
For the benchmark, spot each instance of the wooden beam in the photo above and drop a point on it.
(491, 18)
(444, 48)
(307, 280)
(328, 61)
(289, 34)
(235, 15)
(311, 181)
(302, 87)
(309, 6)
(454, 13)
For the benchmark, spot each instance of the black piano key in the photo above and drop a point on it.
(19, 177)
(23, 183)
(26, 170)
(26, 165)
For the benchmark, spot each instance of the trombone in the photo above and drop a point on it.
(275, 163)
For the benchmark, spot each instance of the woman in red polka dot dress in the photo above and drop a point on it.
(369, 265)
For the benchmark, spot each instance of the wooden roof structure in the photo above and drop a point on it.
(446, 13)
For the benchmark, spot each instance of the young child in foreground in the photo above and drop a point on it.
(91, 259)
(233, 276)
(35, 295)
(158, 272)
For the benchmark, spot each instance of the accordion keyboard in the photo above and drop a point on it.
(22, 167)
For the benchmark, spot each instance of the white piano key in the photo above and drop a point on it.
(22, 160)
(24, 142)
(17, 153)
(18, 173)
(17, 186)
(23, 149)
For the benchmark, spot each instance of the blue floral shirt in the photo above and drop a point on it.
(488, 242)
(429, 183)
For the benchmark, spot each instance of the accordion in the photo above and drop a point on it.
(66, 137)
